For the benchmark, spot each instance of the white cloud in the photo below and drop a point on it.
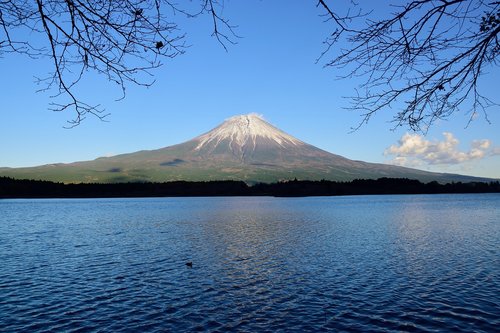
(495, 151)
(481, 144)
(414, 150)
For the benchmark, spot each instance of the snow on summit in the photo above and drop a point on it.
(244, 130)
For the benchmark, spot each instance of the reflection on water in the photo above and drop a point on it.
(371, 263)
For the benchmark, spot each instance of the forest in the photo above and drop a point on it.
(15, 188)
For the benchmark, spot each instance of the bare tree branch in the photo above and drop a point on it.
(120, 40)
(428, 54)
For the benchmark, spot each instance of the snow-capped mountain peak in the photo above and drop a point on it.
(243, 131)
(243, 148)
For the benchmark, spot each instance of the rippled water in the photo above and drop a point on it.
(366, 263)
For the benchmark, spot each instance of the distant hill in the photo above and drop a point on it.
(244, 148)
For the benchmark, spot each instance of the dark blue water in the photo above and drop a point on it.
(366, 263)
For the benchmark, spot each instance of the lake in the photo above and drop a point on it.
(417, 263)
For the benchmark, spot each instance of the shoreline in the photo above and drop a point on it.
(25, 189)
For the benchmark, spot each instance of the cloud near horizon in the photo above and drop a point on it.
(414, 150)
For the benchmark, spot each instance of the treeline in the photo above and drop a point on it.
(14, 188)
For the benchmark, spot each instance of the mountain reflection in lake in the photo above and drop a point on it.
(365, 263)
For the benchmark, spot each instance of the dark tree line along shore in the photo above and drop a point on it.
(14, 188)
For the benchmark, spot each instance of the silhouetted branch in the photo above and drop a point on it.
(219, 21)
(428, 54)
(120, 40)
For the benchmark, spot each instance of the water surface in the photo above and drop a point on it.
(423, 263)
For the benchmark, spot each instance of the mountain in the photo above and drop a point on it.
(242, 148)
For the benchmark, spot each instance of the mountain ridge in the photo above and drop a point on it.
(243, 147)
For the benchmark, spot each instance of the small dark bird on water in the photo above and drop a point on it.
(189, 264)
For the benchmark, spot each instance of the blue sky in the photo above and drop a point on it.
(271, 71)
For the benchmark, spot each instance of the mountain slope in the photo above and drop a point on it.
(242, 148)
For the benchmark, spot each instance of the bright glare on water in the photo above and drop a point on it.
(364, 263)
